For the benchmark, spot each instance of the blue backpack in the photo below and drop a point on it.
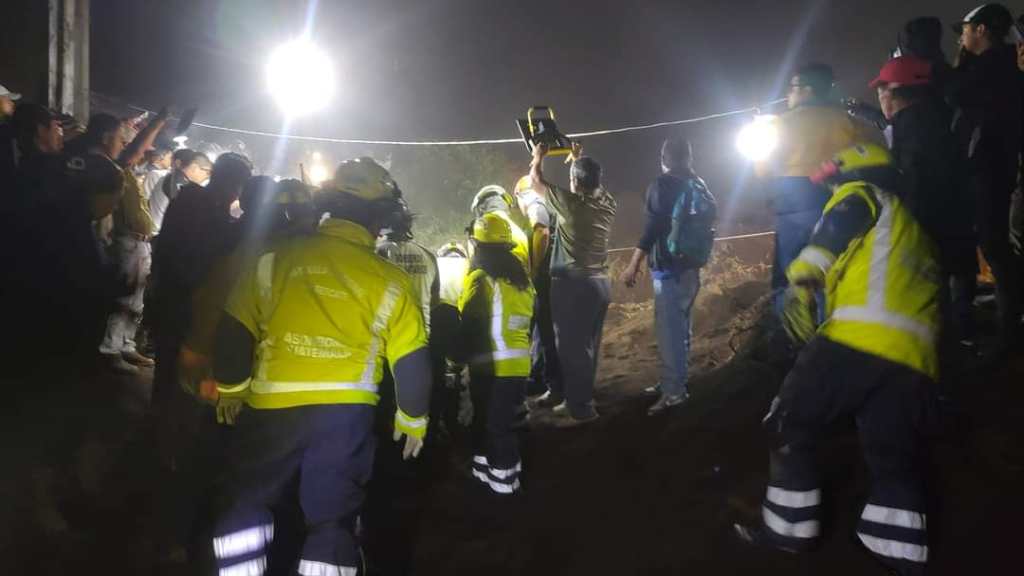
(693, 225)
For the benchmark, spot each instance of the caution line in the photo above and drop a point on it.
(492, 141)
(722, 239)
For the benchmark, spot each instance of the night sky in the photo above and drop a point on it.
(436, 69)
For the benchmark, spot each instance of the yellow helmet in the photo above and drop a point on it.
(869, 162)
(492, 229)
(364, 178)
(452, 249)
(523, 184)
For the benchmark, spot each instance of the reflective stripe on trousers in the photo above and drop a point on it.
(243, 542)
(314, 568)
(500, 480)
(894, 533)
(792, 513)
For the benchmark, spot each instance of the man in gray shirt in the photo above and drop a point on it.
(580, 288)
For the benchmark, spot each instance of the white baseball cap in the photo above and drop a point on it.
(12, 95)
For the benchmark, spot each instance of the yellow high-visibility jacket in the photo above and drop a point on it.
(325, 312)
(496, 325)
(882, 292)
(812, 134)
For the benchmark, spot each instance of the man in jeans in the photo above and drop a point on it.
(580, 288)
(675, 283)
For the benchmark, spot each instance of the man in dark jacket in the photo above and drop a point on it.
(676, 282)
(985, 86)
(196, 232)
(925, 150)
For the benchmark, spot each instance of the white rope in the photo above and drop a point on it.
(722, 239)
(753, 109)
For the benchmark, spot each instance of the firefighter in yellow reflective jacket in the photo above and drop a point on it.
(302, 343)
(493, 199)
(874, 358)
(496, 308)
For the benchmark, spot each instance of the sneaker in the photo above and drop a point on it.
(653, 390)
(549, 400)
(756, 536)
(118, 364)
(136, 359)
(665, 402)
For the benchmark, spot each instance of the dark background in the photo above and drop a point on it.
(444, 69)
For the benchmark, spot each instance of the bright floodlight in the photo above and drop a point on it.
(757, 140)
(317, 174)
(300, 77)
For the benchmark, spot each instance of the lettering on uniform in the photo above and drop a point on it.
(307, 346)
(516, 322)
(308, 271)
(412, 263)
(328, 292)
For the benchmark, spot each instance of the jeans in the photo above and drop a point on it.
(673, 304)
(133, 262)
(578, 307)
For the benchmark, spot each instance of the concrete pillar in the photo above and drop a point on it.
(68, 47)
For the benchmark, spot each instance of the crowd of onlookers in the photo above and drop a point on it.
(122, 251)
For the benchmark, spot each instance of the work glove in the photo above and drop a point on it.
(414, 430)
(798, 314)
(228, 410)
(810, 267)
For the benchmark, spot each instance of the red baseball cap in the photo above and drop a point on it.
(905, 71)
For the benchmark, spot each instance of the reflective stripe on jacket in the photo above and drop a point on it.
(326, 312)
(502, 312)
(883, 291)
(421, 266)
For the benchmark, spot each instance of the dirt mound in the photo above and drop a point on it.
(726, 310)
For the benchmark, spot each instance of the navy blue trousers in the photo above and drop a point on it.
(330, 449)
(894, 407)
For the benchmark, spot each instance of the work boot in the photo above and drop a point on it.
(136, 359)
(667, 401)
(759, 538)
(118, 364)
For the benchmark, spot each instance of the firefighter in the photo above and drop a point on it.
(397, 245)
(493, 199)
(874, 358)
(299, 355)
(494, 337)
